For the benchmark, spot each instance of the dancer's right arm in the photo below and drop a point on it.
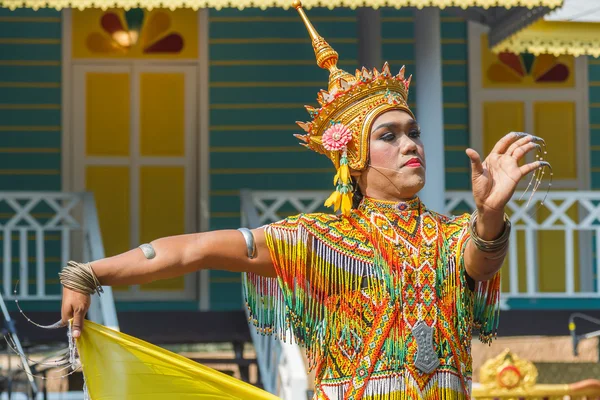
(175, 256)
(179, 255)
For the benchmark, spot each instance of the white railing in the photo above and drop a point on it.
(572, 215)
(281, 365)
(28, 220)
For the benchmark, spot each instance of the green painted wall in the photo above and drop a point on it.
(30, 98)
(456, 102)
(30, 121)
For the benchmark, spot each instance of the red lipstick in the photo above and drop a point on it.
(413, 163)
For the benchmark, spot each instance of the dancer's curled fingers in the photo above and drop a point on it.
(521, 151)
(505, 142)
(520, 142)
(529, 168)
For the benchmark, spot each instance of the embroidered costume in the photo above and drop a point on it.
(352, 288)
(378, 295)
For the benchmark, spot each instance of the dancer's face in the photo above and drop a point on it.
(396, 167)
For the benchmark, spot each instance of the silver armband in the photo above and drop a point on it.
(148, 251)
(250, 245)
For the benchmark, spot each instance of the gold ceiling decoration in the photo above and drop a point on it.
(218, 4)
(556, 38)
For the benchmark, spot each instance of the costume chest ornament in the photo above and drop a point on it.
(427, 359)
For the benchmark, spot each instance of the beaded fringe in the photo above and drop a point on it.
(313, 276)
(288, 306)
(484, 300)
(486, 308)
(442, 386)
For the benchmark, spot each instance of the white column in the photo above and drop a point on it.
(429, 103)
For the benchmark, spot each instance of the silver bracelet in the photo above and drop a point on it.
(490, 246)
(148, 251)
(250, 245)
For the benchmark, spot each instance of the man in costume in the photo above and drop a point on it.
(384, 294)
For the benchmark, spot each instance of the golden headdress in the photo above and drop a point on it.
(341, 127)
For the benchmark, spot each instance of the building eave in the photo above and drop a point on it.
(219, 4)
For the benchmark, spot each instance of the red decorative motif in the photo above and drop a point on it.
(513, 68)
(119, 34)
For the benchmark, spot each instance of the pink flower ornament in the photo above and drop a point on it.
(336, 137)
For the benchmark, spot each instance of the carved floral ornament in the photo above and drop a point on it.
(555, 38)
(507, 371)
(263, 4)
(119, 34)
(509, 377)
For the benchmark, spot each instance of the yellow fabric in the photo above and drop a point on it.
(556, 38)
(118, 366)
(218, 4)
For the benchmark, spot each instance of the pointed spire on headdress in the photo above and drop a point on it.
(326, 56)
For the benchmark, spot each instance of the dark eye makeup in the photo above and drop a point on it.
(388, 136)
(414, 133)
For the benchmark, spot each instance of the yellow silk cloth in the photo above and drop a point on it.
(121, 367)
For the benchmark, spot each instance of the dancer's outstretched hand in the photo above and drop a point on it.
(74, 305)
(495, 179)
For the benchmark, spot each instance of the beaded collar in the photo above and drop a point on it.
(391, 208)
(397, 220)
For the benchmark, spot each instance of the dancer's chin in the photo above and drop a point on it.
(405, 187)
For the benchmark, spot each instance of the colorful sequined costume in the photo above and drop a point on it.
(364, 290)
(351, 289)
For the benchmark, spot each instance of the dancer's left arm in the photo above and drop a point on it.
(494, 182)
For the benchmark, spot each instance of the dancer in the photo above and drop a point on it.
(384, 294)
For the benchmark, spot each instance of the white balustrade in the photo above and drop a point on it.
(32, 217)
(570, 214)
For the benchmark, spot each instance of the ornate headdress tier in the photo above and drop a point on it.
(341, 127)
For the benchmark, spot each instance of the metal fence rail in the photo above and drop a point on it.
(30, 222)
